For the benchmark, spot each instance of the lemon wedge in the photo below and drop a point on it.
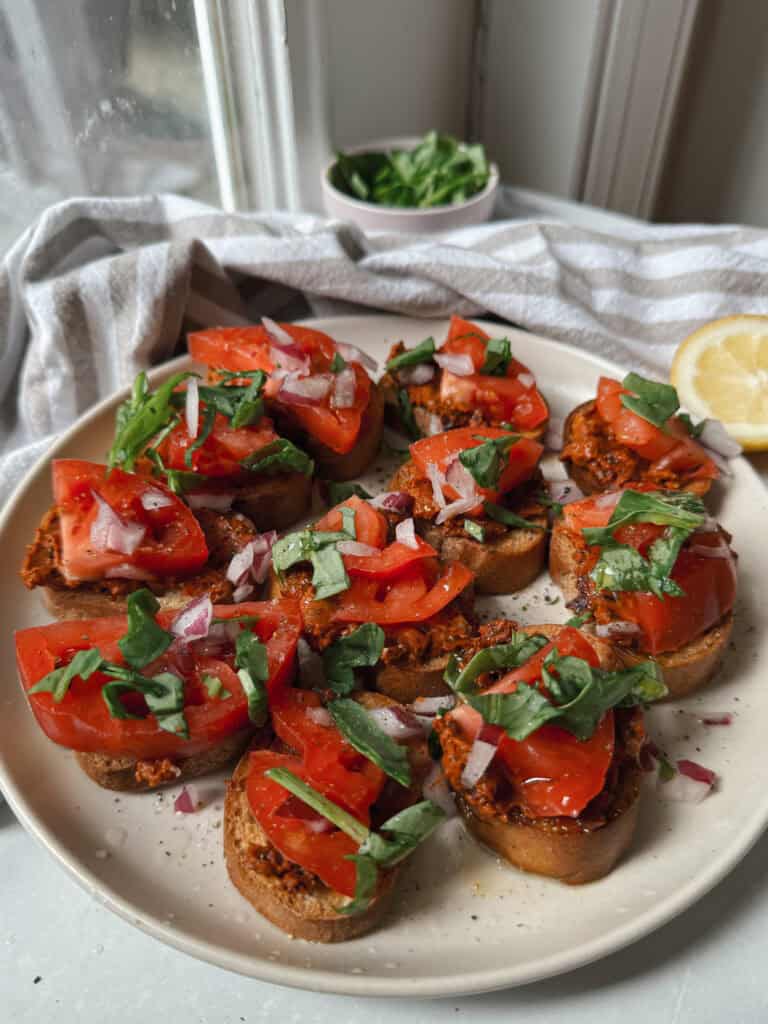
(721, 372)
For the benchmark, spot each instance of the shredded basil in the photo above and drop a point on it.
(141, 417)
(361, 648)
(653, 401)
(308, 794)
(513, 654)
(279, 456)
(318, 547)
(508, 518)
(474, 530)
(145, 640)
(488, 460)
(177, 480)
(164, 694)
(362, 732)
(421, 353)
(338, 363)
(338, 492)
(209, 419)
(215, 688)
(694, 429)
(405, 414)
(57, 682)
(253, 664)
(578, 620)
(498, 354)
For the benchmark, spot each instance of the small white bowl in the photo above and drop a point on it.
(410, 221)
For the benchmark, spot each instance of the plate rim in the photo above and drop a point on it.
(335, 981)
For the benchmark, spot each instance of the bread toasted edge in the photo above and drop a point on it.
(80, 603)
(340, 467)
(275, 502)
(119, 773)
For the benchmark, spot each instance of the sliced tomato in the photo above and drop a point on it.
(554, 773)
(442, 449)
(370, 524)
(502, 398)
(394, 560)
(81, 721)
(338, 429)
(173, 542)
(222, 451)
(407, 599)
(671, 449)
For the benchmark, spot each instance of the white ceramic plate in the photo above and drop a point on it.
(462, 922)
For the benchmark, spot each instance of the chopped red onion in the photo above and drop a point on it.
(416, 375)
(437, 480)
(127, 572)
(434, 425)
(193, 621)
(431, 705)
(553, 438)
(192, 407)
(344, 389)
(254, 559)
(709, 525)
(356, 548)
(152, 500)
(286, 362)
(608, 500)
(527, 380)
(565, 491)
(319, 825)
(279, 335)
(186, 802)
(310, 665)
(405, 533)
(715, 437)
(480, 756)
(353, 354)
(456, 508)
(394, 501)
(459, 477)
(693, 770)
(320, 716)
(396, 722)
(242, 593)
(617, 628)
(715, 717)
(460, 365)
(437, 790)
(109, 532)
(219, 502)
(240, 565)
(684, 789)
(296, 390)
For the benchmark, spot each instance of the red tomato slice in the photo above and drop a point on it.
(370, 524)
(555, 773)
(394, 560)
(406, 600)
(81, 721)
(338, 429)
(223, 450)
(173, 544)
(441, 449)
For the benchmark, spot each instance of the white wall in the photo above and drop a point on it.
(538, 64)
(398, 67)
(717, 168)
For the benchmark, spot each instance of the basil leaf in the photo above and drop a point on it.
(474, 530)
(251, 659)
(57, 682)
(140, 418)
(487, 462)
(368, 739)
(329, 576)
(145, 640)
(578, 620)
(519, 713)
(337, 815)
(338, 363)
(520, 648)
(694, 429)
(338, 492)
(622, 568)
(422, 353)
(653, 401)
(301, 545)
(359, 649)
(215, 688)
(348, 521)
(208, 422)
(664, 508)
(405, 414)
(366, 884)
(508, 518)
(279, 456)
(405, 830)
(242, 404)
(498, 354)
(178, 480)
(164, 694)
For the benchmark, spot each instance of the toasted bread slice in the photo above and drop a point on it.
(132, 774)
(684, 670)
(602, 472)
(573, 850)
(501, 566)
(291, 898)
(275, 502)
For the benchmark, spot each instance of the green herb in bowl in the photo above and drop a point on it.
(439, 171)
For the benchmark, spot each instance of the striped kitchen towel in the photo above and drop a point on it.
(98, 289)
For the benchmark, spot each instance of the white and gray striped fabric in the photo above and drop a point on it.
(100, 288)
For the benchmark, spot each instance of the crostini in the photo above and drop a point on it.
(318, 818)
(658, 575)
(632, 433)
(110, 533)
(475, 501)
(317, 389)
(346, 570)
(543, 751)
(157, 698)
(471, 378)
(214, 447)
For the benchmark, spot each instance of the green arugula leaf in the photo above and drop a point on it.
(421, 353)
(209, 419)
(141, 417)
(509, 518)
(279, 456)
(145, 640)
(362, 732)
(498, 354)
(338, 492)
(651, 400)
(253, 664)
(474, 530)
(487, 462)
(405, 414)
(359, 649)
(57, 682)
(520, 648)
